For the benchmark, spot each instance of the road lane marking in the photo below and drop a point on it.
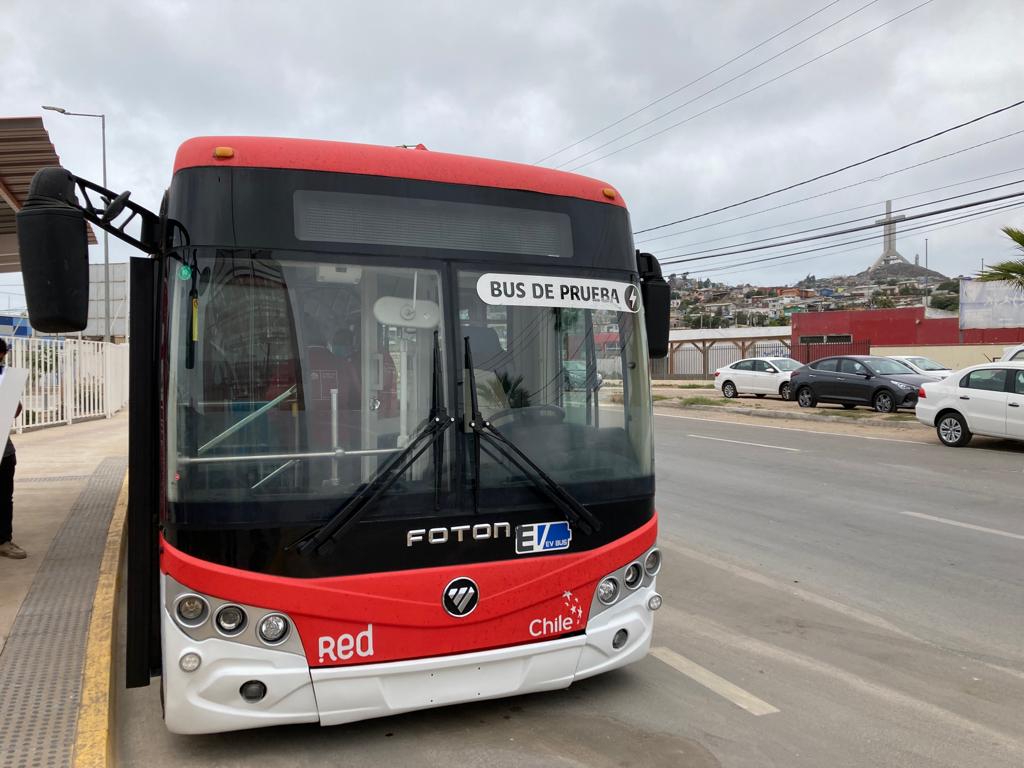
(744, 442)
(797, 592)
(795, 429)
(686, 622)
(733, 693)
(958, 524)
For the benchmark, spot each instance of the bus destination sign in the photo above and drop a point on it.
(549, 291)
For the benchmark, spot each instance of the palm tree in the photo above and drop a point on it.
(1011, 272)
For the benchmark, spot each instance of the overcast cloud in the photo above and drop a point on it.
(519, 81)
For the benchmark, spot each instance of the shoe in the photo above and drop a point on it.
(12, 550)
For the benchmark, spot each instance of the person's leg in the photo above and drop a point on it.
(6, 497)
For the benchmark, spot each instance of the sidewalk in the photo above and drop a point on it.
(66, 487)
(54, 466)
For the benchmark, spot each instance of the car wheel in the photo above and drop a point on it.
(786, 391)
(805, 397)
(729, 389)
(849, 406)
(952, 430)
(884, 402)
(758, 395)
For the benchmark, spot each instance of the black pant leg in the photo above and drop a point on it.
(7, 497)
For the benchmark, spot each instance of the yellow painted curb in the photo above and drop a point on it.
(94, 743)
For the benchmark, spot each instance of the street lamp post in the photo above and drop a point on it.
(106, 241)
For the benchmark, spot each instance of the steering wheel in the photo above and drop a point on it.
(532, 413)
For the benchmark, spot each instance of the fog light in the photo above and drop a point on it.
(633, 576)
(253, 691)
(189, 662)
(653, 562)
(608, 591)
(654, 602)
(620, 639)
(273, 629)
(192, 610)
(230, 619)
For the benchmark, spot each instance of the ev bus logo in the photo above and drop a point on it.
(460, 597)
(632, 298)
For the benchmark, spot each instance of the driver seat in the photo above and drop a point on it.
(490, 393)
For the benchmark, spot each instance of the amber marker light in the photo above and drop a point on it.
(223, 153)
(609, 193)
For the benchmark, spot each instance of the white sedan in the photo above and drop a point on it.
(924, 365)
(981, 400)
(757, 376)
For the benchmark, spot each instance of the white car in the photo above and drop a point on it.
(981, 400)
(924, 365)
(756, 376)
(1014, 353)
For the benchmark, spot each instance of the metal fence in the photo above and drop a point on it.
(68, 380)
(807, 353)
(686, 361)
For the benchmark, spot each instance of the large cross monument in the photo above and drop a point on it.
(889, 253)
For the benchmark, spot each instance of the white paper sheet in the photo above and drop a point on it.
(12, 384)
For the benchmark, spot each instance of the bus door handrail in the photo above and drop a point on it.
(334, 454)
(246, 420)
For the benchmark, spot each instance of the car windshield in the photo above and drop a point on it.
(926, 364)
(785, 363)
(292, 381)
(885, 366)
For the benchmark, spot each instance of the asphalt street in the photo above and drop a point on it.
(830, 600)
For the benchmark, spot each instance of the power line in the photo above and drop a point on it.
(925, 227)
(748, 91)
(684, 87)
(839, 189)
(717, 87)
(859, 218)
(839, 170)
(847, 231)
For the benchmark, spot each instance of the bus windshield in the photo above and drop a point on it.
(293, 381)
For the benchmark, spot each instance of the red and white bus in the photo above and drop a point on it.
(370, 470)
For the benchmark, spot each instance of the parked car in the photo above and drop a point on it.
(984, 399)
(879, 382)
(1012, 354)
(924, 365)
(757, 376)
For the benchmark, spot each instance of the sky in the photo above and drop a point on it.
(522, 81)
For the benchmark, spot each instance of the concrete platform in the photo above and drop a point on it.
(66, 486)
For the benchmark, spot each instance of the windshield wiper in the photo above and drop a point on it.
(431, 434)
(577, 515)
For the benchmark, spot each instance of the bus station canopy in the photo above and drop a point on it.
(25, 147)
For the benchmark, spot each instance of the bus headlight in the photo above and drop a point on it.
(273, 629)
(230, 619)
(633, 576)
(652, 564)
(608, 591)
(192, 610)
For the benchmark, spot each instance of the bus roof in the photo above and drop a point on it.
(394, 162)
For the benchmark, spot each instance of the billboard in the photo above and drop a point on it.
(990, 305)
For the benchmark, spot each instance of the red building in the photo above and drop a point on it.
(907, 326)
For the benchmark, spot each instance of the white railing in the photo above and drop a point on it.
(68, 380)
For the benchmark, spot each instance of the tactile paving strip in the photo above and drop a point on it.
(53, 478)
(41, 663)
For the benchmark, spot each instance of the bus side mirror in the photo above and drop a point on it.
(54, 254)
(657, 299)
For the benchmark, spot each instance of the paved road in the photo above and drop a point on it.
(831, 600)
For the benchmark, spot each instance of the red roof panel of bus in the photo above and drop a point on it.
(393, 162)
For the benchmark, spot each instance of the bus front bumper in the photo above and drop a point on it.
(209, 700)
